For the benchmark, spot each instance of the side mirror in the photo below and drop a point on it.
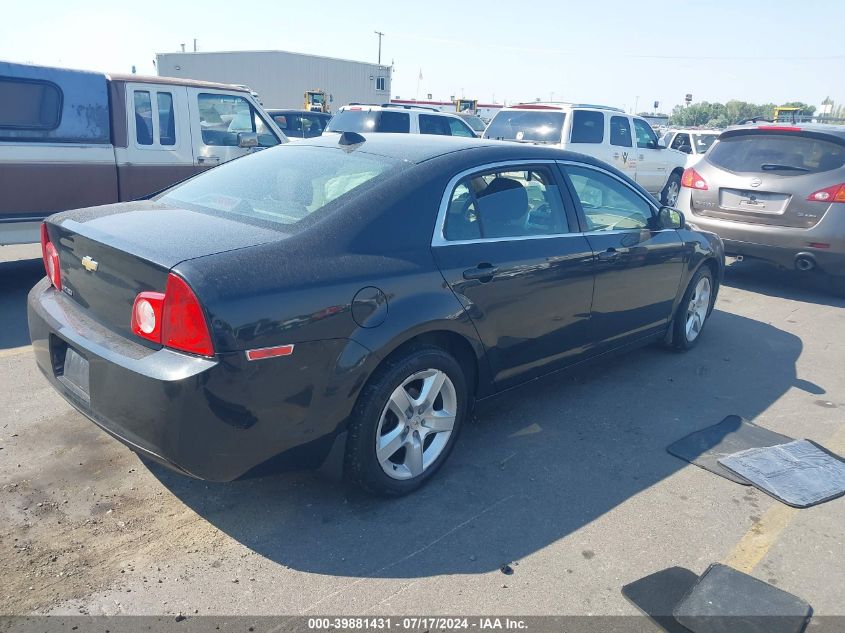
(247, 139)
(671, 218)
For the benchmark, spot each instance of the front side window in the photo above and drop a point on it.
(501, 204)
(587, 127)
(166, 120)
(620, 131)
(682, 143)
(280, 187)
(646, 138)
(459, 128)
(530, 126)
(608, 203)
(143, 118)
(223, 117)
(29, 104)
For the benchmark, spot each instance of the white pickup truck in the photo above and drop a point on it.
(624, 141)
(71, 139)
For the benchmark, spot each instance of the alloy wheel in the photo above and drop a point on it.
(416, 424)
(672, 192)
(697, 309)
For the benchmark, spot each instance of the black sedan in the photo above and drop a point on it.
(347, 299)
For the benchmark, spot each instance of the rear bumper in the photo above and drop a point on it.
(780, 245)
(214, 419)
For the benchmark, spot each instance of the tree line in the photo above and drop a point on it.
(720, 115)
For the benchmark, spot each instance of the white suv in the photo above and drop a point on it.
(402, 119)
(692, 142)
(626, 142)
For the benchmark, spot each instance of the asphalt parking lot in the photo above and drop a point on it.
(566, 480)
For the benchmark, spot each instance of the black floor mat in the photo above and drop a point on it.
(658, 594)
(725, 600)
(800, 473)
(733, 434)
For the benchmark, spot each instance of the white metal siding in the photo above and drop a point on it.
(281, 78)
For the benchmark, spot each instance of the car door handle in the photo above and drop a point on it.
(610, 255)
(483, 272)
(210, 159)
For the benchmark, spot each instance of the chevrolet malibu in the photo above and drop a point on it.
(346, 300)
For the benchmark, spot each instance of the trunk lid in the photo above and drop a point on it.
(109, 254)
(764, 176)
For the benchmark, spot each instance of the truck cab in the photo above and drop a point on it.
(71, 139)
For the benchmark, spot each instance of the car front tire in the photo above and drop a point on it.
(694, 310)
(406, 421)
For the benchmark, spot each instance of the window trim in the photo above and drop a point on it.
(59, 110)
(439, 238)
(579, 210)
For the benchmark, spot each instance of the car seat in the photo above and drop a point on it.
(502, 208)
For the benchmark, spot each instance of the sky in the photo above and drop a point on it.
(614, 52)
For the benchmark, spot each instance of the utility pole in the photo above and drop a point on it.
(195, 45)
(380, 35)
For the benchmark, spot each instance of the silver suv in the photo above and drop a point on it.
(402, 119)
(774, 192)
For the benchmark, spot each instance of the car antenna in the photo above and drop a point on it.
(351, 138)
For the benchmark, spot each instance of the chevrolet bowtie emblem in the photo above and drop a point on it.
(89, 264)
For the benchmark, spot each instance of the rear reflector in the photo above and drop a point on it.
(693, 180)
(269, 352)
(51, 259)
(835, 193)
(818, 245)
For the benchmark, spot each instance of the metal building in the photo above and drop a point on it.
(281, 78)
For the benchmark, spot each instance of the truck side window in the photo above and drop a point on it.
(222, 117)
(143, 118)
(620, 131)
(29, 104)
(166, 120)
(587, 126)
(646, 138)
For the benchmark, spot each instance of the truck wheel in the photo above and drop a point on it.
(406, 421)
(671, 191)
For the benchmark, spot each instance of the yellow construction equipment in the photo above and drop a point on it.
(316, 101)
(786, 114)
(466, 105)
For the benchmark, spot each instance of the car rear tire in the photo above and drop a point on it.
(406, 421)
(694, 310)
(670, 193)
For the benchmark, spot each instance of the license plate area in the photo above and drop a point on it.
(753, 201)
(71, 369)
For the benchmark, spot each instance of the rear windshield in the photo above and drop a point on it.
(283, 185)
(535, 126)
(370, 121)
(787, 155)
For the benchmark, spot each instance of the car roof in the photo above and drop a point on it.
(418, 148)
(274, 111)
(819, 128)
(372, 107)
(694, 130)
(560, 105)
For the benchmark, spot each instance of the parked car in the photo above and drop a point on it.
(774, 192)
(692, 142)
(349, 297)
(300, 123)
(400, 119)
(623, 141)
(475, 122)
(123, 136)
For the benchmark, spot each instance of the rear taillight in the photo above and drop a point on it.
(174, 318)
(836, 193)
(51, 259)
(693, 180)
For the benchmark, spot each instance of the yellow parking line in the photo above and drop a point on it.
(757, 542)
(14, 351)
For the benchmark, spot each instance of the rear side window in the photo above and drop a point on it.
(620, 131)
(166, 120)
(587, 127)
(29, 104)
(143, 118)
(430, 124)
(281, 187)
(535, 126)
(782, 154)
(370, 121)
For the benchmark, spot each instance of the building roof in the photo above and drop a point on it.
(337, 59)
